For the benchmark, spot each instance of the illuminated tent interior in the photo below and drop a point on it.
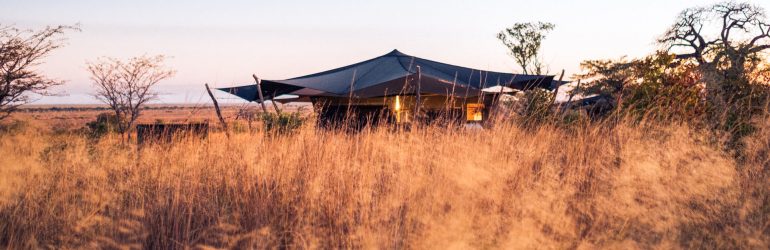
(389, 84)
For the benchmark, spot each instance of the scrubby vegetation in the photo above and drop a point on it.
(282, 123)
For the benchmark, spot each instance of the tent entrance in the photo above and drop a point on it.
(353, 116)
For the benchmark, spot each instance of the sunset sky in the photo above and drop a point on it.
(223, 42)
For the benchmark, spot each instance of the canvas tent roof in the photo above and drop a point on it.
(394, 73)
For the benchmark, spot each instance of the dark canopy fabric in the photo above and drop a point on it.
(393, 74)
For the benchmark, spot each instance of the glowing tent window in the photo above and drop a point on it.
(401, 115)
(397, 104)
(475, 112)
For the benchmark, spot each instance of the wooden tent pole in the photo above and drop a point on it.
(259, 92)
(496, 107)
(572, 94)
(219, 112)
(452, 98)
(348, 115)
(275, 105)
(558, 84)
(418, 103)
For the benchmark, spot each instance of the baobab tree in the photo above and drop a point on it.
(726, 41)
(21, 51)
(524, 41)
(126, 86)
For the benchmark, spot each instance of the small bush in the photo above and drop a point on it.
(284, 123)
(104, 124)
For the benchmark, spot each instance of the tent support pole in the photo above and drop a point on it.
(451, 109)
(275, 105)
(572, 94)
(556, 91)
(259, 92)
(495, 109)
(219, 112)
(348, 115)
(418, 103)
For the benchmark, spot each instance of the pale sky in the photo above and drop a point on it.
(223, 42)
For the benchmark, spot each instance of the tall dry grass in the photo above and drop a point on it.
(591, 186)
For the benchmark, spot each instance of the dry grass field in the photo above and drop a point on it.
(620, 186)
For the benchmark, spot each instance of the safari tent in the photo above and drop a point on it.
(396, 88)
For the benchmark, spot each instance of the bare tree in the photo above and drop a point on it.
(20, 52)
(126, 86)
(723, 39)
(524, 41)
(726, 40)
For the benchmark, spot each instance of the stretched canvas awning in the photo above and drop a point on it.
(393, 74)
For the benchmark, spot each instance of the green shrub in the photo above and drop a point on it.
(104, 124)
(284, 123)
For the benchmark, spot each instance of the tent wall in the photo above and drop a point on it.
(384, 109)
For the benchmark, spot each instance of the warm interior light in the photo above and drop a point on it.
(474, 112)
(400, 115)
(397, 105)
